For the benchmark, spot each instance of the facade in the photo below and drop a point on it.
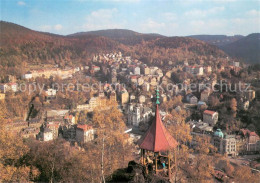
(208, 69)
(124, 97)
(138, 113)
(113, 78)
(28, 75)
(250, 95)
(200, 127)
(137, 70)
(3, 88)
(84, 133)
(112, 96)
(235, 64)
(146, 71)
(250, 142)
(204, 96)
(51, 93)
(194, 70)
(13, 87)
(54, 127)
(2, 96)
(210, 117)
(225, 144)
(47, 135)
(192, 99)
(141, 99)
(8, 87)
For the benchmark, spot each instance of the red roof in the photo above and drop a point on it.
(84, 127)
(133, 77)
(248, 132)
(157, 138)
(209, 112)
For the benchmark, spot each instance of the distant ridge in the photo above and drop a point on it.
(123, 36)
(20, 44)
(217, 40)
(247, 48)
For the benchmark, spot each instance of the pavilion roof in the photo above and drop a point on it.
(157, 138)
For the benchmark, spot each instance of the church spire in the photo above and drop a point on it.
(157, 96)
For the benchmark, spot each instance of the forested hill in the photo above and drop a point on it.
(124, 36)
(22, 46)
(247, 48)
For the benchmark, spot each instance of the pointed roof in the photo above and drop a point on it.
(157, 138)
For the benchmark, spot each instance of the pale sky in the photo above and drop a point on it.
(167, 17)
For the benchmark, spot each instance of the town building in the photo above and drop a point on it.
(3, 88)
(210, 117)
(146, 70)
(208, 69)
(27, 75)
(225, 144)
(137, 71)
(2, 96)
(45, 134)
(249, 94)
(13, 87)
(141, 99)
(84, 133)
(54, 127)
(50, 93)
(250, 141)
(113, 76)
(192, 99)
(112, 96)
(194, 70)
(200, 127)
(235, 64)
(124, 97)
(138, 113)
(204, 96)
(8, 87)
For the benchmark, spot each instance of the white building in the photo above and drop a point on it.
(13, 87)
(28, 75)
(51, 93)
(138, 113)
(192, 99)
(235, 64)
(47, 135)
(194, 70)
(210, 117)
(137, 70)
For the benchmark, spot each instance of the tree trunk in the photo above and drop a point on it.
(102, 161)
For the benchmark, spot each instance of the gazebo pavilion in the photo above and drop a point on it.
(157, 140)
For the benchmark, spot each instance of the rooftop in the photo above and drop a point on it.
(157, 138)
(209, 112)
(84, 127)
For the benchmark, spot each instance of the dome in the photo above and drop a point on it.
(218, 133)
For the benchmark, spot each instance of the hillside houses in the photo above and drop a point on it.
(47, 73)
